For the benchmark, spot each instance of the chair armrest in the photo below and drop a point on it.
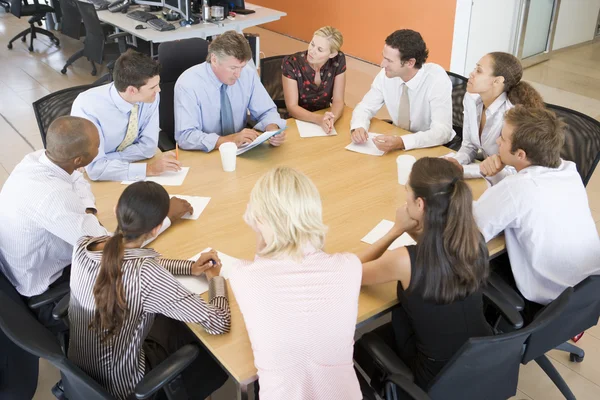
(507, 292)
(50, 296)
(384, 356)
(506, 309)
(61, 309)
(409, 387)
(166, 371)
(117, 35)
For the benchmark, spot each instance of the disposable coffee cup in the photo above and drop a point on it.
(404, 163)
(228, 152)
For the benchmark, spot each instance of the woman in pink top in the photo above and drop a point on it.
(299, 303)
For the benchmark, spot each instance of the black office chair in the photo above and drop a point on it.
(175, 58)
(483, 368)
(98, 44)
(37, 12)
(270, 76)
(459, 88)
(6, 5)
(27, 333)
(54, 105)
(582, 140)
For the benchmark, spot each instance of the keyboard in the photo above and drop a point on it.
(161, 25)
(141, 16)
(100, 4)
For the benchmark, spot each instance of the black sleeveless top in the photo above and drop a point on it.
(439, 329)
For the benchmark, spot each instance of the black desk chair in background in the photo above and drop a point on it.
(6, 5)
(270, 77)
(175, 57)
(459, 88)
(582, 140)
(37, 12)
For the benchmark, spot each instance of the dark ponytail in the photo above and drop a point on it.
(141, 208)
(452, 257)
(518, 92)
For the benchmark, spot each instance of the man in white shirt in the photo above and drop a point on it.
(46, 205)
(543, 209)
(418, 97)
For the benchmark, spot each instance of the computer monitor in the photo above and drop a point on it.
(155, 3)
(171, 5)
(181, 6)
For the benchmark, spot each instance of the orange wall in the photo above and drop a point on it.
(366, 24)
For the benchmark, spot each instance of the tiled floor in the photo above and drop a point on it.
(571, 79)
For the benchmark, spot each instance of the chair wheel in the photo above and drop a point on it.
(24, 39)
(94, 73)
(63, 71)
(30, 48)
(56, 42)
(9, 46)
(575, 358)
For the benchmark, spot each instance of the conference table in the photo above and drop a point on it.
(357, 192)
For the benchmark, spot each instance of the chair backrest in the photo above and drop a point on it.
(93, 44)
(575, 310)
(459, 88)
(582, 140)
(270, 76)
(15, 7)
(30, 335)
(55, 105)
(175, 58)
(71, 19)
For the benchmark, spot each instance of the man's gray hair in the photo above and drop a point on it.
(231, 44)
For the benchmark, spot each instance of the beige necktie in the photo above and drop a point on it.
(132, 129)
(404, 109)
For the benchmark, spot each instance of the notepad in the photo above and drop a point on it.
(451, 154)
(366, 148)
(169, 178)
(307, 129)
(199, 284)
(198, 203)
(381, 229)
(259, 140)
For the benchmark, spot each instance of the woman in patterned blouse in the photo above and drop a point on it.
(316, 79)
(118, 287)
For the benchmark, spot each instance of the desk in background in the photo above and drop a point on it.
(357, 192)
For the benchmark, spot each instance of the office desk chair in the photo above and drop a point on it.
(37, 12)
(270, 77)
(483, 368)
(459, 88)
(175, 58)
(582, 140)
(6, 5)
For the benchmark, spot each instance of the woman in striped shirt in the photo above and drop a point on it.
(299, 303)
(117, 287)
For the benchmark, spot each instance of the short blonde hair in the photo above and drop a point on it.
(334, 37)
(287, 202)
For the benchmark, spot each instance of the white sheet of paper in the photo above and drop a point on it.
(451, 154)
(307, 129)
(381, 229)
(199, 284)
(366, 148)
(226, 261)
(199, 204)
(259, 140)
(167, 178)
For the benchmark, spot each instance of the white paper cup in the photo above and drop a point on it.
(405, 164)
(228, 152)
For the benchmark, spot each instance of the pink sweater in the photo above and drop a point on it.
(301, 319)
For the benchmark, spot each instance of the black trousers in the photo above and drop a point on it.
(44, 313)
(202, 377)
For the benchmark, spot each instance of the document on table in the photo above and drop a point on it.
(198, 203)
(368, 147)
(199, 284)
(169, 178)
(384, 227)
(307, 129)
(259, 140)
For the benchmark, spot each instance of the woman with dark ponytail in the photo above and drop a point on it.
(440, 278)
(118, 287)
(494, 87)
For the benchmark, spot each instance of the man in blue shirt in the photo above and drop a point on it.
(212, 99)
(126, 115)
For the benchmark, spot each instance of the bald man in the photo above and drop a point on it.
(46, 205)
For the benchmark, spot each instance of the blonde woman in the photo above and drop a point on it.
(316, 79)
(299, 303)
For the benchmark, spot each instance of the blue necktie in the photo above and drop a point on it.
(227, 127)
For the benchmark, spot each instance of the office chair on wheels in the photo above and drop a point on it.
(37, 12)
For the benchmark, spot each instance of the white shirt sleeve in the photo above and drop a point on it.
(369, 105)
(495, 211)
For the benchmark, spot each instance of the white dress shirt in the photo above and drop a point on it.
(42, 215)
(550, 234)
(430, 96)
(472, 143)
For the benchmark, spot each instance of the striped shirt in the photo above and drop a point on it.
(150, 288)
(42, 215)
(301, 318)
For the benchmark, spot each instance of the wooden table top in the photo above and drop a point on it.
(357, 192)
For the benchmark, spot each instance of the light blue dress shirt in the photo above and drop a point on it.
(105, 107)
(198, 106)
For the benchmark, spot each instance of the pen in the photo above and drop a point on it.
(177, 151)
